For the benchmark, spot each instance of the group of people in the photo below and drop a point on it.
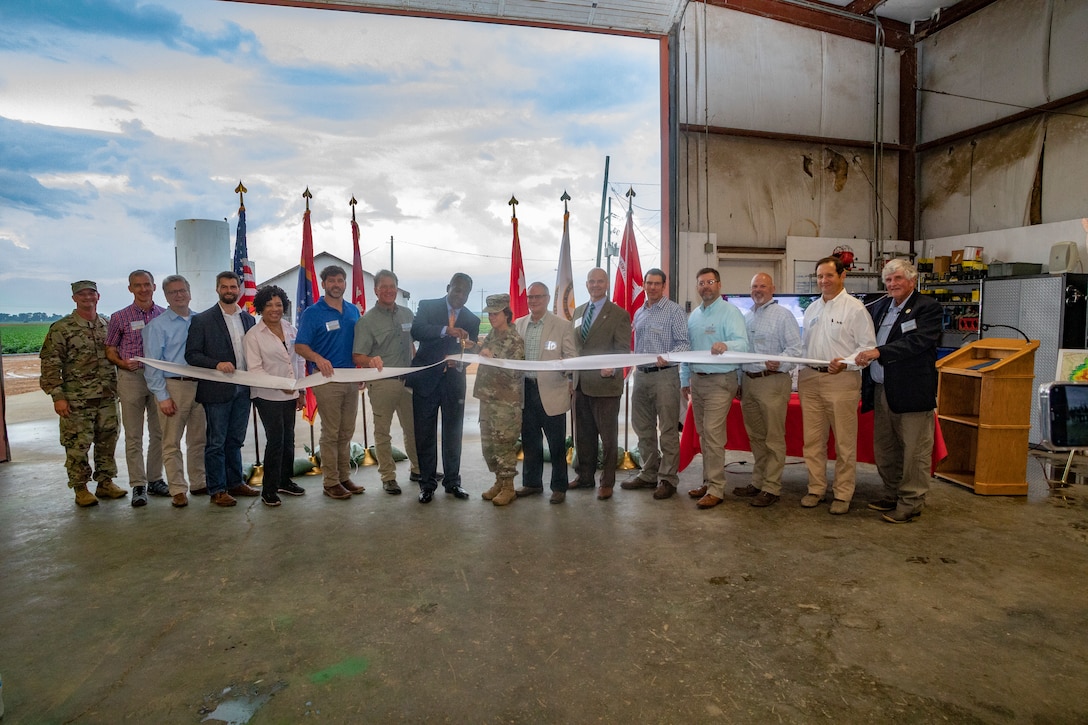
(89, 363)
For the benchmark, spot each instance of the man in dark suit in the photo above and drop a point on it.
(600, 328)
(900, 384)
(441, 327)
(215, 341)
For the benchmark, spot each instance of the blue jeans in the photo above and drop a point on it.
(227, 423)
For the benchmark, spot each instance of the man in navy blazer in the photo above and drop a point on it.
(900, 384)
(441, 327)
(215, 341)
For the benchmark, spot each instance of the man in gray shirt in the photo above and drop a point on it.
(383, 336)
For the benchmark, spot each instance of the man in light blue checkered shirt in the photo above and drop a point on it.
(660, 327)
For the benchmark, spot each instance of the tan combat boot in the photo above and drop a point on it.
(83, 496)
(494, 490)
(506, 493)
(109, 489)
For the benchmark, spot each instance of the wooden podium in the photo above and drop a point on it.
(984, 398)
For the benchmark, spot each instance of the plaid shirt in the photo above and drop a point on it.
(126, 330)
(661, 328)
(532, 343)
(772, 330)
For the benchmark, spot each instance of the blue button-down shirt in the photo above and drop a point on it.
(661, 328)
(164, 339)
(772, 330)
(720, 321)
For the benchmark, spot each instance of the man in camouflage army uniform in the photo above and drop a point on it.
(83, 385)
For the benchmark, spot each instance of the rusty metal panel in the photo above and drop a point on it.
(762, 191)
(980, 184)
(1065, 166)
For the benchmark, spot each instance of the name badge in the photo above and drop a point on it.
(332, 325)
(550, 345)
(406, 326)
(909, 326)
(709, 331)
(137, 324)
(578, 323)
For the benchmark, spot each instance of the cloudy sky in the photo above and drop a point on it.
(119, 117)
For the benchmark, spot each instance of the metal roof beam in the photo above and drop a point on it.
(823, 17)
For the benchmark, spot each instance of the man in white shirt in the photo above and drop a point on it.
(836, 326)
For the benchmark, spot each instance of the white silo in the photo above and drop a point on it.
(201, 251)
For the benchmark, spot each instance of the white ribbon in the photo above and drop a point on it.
(365, 375)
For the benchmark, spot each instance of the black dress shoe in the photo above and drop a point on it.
(426, 496)
(415, 477)
(458, 492)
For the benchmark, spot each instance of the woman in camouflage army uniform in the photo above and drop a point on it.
(499, 391)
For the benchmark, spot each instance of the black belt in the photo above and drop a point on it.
(820, 368)
(186, 380)
(765, 373)
(654, 368)
(706, 374)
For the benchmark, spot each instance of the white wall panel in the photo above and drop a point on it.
(773, 76)
(1068, 48)
(998, 54)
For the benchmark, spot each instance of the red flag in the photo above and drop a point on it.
(627, 291)
(519, 304)
(358, 297)
(306, 295)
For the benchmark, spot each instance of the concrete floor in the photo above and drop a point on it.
(379, 609)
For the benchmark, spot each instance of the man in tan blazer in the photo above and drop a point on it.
(600, 328)
(547, 395)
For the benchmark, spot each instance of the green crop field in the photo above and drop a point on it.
(19, 338)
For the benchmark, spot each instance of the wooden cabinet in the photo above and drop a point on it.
(985, 391)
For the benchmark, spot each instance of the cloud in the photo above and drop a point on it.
(431, 125)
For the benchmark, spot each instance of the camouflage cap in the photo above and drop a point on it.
(82, 285)
(497, 303)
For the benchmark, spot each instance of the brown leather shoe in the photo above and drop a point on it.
(708, 501)
(763, 499)
(578, 483)
(604, 493)
(338, 491)
(636, 482)
(244, 490)
(558, 497)
(223, 498)
(179, 500)
(664, 490)
(748, 490)
(352, 487)
(698, 492)
(528, 491)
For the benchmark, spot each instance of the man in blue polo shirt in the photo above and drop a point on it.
(326, 334)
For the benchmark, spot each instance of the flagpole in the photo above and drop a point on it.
(600, 226)
(241, 256)
(627, 463)
(359, 294)
(306, 292)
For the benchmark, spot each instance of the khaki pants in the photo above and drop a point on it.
(830, 402)
(390, 396)
(655, 406)
(137, 404)
(764, 402)
(903, 447)
(337, 405)
(711, 397)
(188, 421)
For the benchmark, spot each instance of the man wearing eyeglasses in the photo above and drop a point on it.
(547, 395)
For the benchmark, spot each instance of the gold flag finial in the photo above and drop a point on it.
(565, 198)
(307, 196)
(239, 190)
(513, 206)
(353, 203)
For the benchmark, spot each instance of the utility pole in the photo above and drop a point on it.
(604, 197)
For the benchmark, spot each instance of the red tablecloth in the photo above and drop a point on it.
(737, 436)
